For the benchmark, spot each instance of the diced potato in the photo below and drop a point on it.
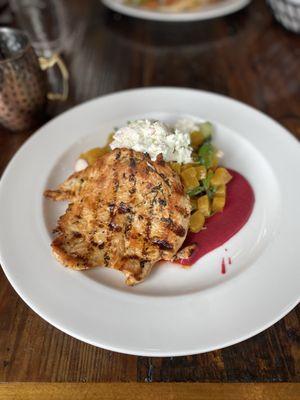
(221, 177)
(176, 167)
(221, 191)
(194, 203)
(204, 205)
(189, 178)
(187, 166)
(218, 204)
(215, 162)
(189, 171)
(197, 139)
(197, 221)
(92, 155)
(200, 172)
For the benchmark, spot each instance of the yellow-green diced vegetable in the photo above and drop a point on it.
(207, 130)
(188, 165)
(206, 154)
(200, 172)
(197, 221)
(221, 177)
(194, 203)
(204, 205)
(92, 155)
(207, 180)
(189, 178)
(214, 162)
(218, 204)
(176, 167)
(221, 191)
(197, 139)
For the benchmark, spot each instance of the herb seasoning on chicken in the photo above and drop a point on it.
(126, 212)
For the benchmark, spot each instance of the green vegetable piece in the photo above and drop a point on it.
(205, 187)
(197, 190)
(211, 192)
(207, 130)
(206, 181)
(206, 154)
(208, 188)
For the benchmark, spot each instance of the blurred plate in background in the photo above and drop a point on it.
(218, 9)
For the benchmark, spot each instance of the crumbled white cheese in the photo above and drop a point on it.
(154, 138)
(187, 125)
(80, 165)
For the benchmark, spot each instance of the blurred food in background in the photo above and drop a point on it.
(170, 5)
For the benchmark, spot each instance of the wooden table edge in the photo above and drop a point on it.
(149, 391)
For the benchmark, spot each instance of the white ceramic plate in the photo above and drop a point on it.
(220, 9)
(175, 311)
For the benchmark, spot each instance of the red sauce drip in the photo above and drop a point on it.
(223, 266)
(229, 261)
(222, 226)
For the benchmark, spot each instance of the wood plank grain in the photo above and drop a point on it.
(167, 391)
(31, 349)
(271, 356)
(247, 56)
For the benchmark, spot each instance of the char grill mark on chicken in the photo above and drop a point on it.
(125, 212)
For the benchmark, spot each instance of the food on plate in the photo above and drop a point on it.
(126, 212)
(187, 146)
(220, 226)
(132, 202)
(154, 138)
(170, 5)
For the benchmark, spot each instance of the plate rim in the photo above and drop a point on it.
(27, 300)
(120, 350)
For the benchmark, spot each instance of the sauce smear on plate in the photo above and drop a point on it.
(223, 266)
(222, 226)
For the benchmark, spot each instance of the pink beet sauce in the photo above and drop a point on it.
(222, 226)
(223, 266)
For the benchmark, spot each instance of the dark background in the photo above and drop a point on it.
(247, 56)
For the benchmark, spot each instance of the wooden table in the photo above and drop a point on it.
(247, 56)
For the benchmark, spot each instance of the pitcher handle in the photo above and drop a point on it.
(46, 63)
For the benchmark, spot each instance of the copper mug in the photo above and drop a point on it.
(23, 84)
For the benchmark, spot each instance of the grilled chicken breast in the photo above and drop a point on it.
(126, 212)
